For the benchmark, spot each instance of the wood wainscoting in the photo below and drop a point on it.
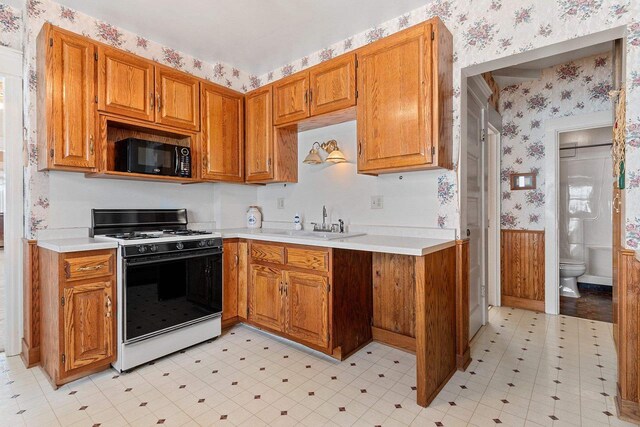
(627, 324)
(522, 269)
(31, 304)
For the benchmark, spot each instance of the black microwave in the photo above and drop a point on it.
(155, 158)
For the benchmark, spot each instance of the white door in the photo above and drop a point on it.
(477, 184)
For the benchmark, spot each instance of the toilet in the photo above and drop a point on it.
(570, 270)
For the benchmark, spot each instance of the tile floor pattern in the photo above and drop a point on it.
(528, 369)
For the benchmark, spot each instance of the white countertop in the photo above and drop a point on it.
(77, 244)
(414, 246)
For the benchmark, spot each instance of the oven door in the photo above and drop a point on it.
(169, 291)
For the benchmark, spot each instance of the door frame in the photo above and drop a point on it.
(494, 144)
(481, 91)
(553, 129)
(11, 71)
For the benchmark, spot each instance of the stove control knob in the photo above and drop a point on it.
(202, 243)
(180, 245)
(142, 249)
(153, 248)
(211, 242)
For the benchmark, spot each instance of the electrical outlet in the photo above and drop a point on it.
(376, 202)
(280, 202)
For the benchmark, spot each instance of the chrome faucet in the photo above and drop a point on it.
(328, 228)
(324, 217)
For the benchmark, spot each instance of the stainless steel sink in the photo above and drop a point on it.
(320, 235)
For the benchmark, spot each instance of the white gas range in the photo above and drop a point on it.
(169, 282)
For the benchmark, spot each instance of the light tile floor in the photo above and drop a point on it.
(528, 369)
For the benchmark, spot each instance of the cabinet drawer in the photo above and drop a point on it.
(308, 258)
(87, 267)
(267, 253)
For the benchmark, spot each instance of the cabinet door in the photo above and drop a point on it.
(291, 99)
(72, 117)
(266, 297)
(177, 99)
(230, 280)
(89, 324)
(259, 135)
(222, 134)
(394, 98)
(125, 84)
(333, 85)
(307, 307)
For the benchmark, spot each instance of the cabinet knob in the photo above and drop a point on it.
(359, 148)
(159, 102)
(91, 145)
(108, 304)
(151, 99)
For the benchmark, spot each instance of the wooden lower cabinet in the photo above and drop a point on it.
(319, 297)
(266, 297)
(78, 315)
(307, 307)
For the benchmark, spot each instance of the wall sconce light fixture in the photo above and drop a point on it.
(331, 147)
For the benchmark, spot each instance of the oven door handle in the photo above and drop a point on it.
(128, 261)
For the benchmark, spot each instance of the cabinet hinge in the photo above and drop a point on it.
(433, 151)
(328, 287)
(96, 99)
(64, 358)
(51, 153)
(51, 41)
(433, 35)
(356, 94)
(95, 56)
(62, 301)
(356, 62)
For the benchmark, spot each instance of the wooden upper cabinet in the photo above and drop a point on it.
(266, 297)
(66, 101)
(177, 99)
(404, 101)
(333, 85)
(89, 332)
(291, 99)
(259, 135)
(125, 84)
(307, 307)
(222, 134)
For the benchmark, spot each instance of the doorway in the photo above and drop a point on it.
(11, 199)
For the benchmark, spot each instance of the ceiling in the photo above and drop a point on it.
(532, 70)
(256, 36)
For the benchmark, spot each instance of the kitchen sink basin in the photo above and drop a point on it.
(320, 235)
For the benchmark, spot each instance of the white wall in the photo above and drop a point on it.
(72, 196)
(408, 201)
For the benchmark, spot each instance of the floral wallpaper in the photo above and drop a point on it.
(10, 27)
(577, 87)
(40, 11)
(483, 30)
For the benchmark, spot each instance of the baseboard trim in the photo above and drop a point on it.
(394, 339)
(30, 356)
(526, 304)
(627, 409)
(463, 361)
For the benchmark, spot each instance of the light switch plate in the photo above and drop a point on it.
(280, 202)
(377, 202)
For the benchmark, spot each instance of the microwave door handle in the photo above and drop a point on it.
(177, 165)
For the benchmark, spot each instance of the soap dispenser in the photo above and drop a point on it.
(297, 222)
